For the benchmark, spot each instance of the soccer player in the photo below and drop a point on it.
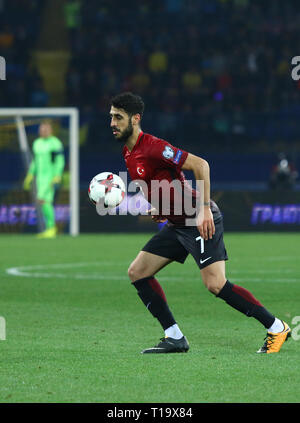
(149, 158)
(47, 166)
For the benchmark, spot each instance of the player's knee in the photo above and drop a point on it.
(213, 288)
(214, 277)
(214, 283)
(131, 273)
(136, 272)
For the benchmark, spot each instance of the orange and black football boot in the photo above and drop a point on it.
(274, 341)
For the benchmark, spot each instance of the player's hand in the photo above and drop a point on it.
(27, 182)
(156, 217)
(205, 224)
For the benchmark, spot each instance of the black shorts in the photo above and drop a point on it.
(176, 243)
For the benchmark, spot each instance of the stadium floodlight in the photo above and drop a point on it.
(19, 116)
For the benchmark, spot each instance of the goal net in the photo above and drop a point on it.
(19, 209)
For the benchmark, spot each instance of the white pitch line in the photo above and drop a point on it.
(23, 270)
(29, 271)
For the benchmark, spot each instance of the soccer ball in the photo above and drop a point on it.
(107, 188)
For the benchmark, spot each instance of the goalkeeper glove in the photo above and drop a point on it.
(27, 182)
(56, 181)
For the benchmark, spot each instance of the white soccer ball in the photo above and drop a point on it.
(107, 188)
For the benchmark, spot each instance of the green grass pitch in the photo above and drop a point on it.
(75, 326)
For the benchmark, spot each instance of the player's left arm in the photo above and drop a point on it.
(31, 171)
(200, 168)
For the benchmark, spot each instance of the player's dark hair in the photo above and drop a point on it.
(131, 103)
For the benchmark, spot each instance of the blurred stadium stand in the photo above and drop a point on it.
(214, 74)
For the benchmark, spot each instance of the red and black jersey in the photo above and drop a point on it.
(155, 159)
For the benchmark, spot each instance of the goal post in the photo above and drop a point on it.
(17, 114)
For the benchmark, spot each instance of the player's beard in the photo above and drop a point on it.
(126, 133)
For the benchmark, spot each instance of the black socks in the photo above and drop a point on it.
(242, 300)
(153, 296)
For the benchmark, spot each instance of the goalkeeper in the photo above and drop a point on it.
(47, 166)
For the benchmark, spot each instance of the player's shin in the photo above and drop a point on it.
(48, 214)
(242, 300)
(153, 296)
